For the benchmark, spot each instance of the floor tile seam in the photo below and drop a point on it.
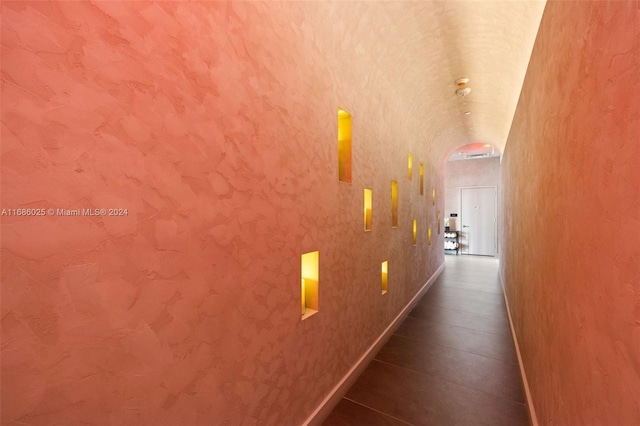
(427, 375)
(435, 297)
(451, 281)
(487, 293)
(507, 333)
(495, 298)
(476, 353)
(468, 290)
(479, 288)
(425, 319)
(459, 350)
(492, 307)
(471, 280)
(377, 411)
(479, 257)
(492, 320)
(484, 283)
(504, 317)
(476, 274)
(492, 276)
(506, 320)
(496, 303)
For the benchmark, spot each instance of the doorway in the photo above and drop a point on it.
(478, 220)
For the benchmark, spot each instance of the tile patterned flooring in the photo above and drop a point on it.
(451, 362)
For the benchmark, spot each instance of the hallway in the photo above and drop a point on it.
(217, 213)
(451, 362)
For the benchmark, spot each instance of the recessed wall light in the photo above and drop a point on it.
(461, 82)
(467, 113)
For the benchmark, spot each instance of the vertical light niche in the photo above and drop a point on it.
(429, 236)
(394, 204)
(385, 276)
(415, 232)
(439, 218)
(433, 196)
(368, 209)
(410, 166)
(344, 146)
(309, 282)
(421, 179)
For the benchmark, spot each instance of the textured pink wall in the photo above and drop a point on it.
(571, 241)
(214, 124)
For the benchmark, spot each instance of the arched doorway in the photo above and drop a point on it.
(472, 181)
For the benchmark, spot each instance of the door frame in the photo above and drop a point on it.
(495, 187)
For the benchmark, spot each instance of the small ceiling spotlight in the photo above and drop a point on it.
(463, 91)
(467, 113)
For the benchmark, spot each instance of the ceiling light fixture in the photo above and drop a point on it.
(467, 113)
(463, 90)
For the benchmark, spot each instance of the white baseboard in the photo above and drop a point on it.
(328, 404)
(532, 411)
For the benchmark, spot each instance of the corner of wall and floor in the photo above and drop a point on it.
(533, 418)
(332, 399)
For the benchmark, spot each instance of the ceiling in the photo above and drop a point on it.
(493, 41)
(419, 49)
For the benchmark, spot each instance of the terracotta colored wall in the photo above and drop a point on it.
(571, 242)
(465, 173)
(214, 124)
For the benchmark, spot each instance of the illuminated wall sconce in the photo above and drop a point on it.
(385, 276)
(344, 146)
(421, 179)
(429, 236)
(410, 166)
(394, 204)
(433, 197)
(415, 232)
(368, 206)
(439, 218)
(309, 281)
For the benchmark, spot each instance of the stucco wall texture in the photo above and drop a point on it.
(571, 240)
(215, 125)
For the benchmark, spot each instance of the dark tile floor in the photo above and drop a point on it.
(451, 362)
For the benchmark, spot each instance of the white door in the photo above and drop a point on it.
(478, 220)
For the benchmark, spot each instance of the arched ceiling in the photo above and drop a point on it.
(493, 41)
(411, 53)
